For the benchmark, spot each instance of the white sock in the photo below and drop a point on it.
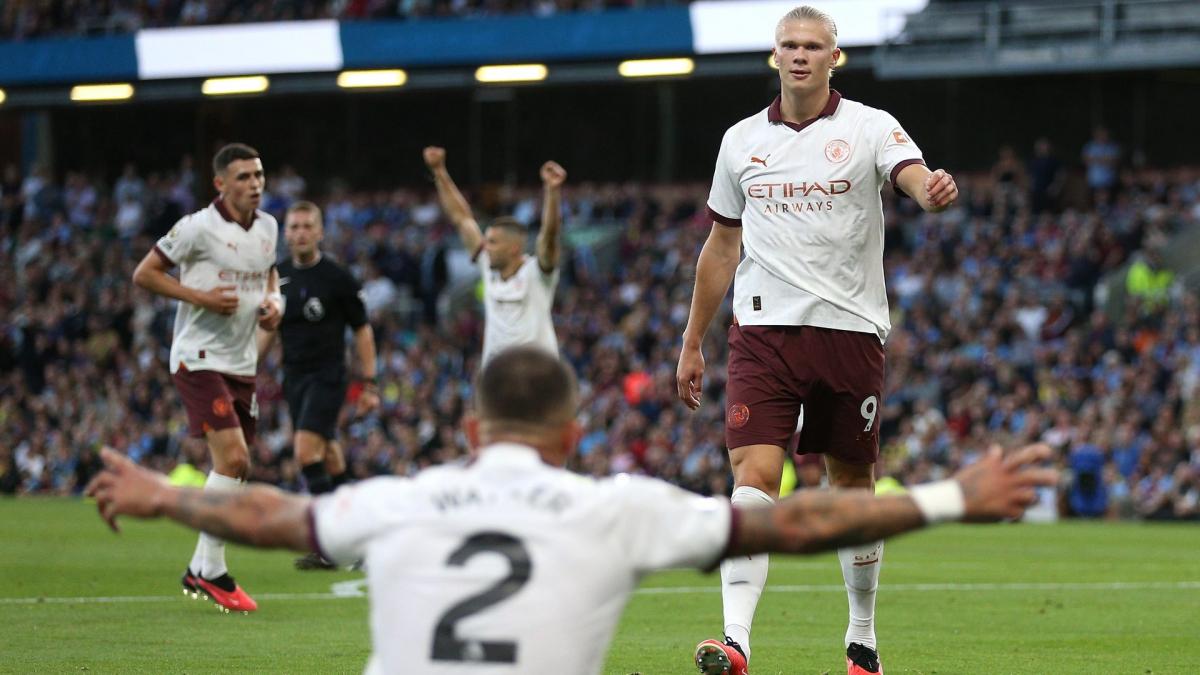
(208, 560)
(743, 577)
(860, 569)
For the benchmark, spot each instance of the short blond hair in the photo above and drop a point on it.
(807, 13)
(307, 207)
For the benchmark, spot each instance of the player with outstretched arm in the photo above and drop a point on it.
(511, 564)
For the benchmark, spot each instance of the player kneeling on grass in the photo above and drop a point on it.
(511, 564)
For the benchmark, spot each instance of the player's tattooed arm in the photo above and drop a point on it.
(995, 487)
(813, 521)
(259, 516)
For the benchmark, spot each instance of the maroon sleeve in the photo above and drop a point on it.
(313, 544)
(896, 173)
(166, 258)
(724, 220)
(735, 518)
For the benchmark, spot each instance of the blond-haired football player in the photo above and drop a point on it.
(798, 187)
(512, 565)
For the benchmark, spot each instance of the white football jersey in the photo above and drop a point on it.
(807, 199)
(508, 565)
(211, 249)
(517, 309)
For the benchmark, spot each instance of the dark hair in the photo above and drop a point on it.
(230, 154)
(526, 386)
(510, 225)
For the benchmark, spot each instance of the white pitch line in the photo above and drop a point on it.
(684, 590)
(925, 588)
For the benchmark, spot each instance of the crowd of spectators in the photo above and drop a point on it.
(1002, 332)
(26, 19)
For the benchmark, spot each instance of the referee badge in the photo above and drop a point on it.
(314, 310)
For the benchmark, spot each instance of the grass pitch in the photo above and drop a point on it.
(1067, 598)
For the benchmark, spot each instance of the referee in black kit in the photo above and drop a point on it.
(321, 299)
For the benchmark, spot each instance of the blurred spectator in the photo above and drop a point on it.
(1101, 157)
(1148, 279)
(1009, 181)
(130, 216)
(10, 477)
(1186, 494)
(995, 337)
(129, 187)
(379, 292)
(1153, 494)
(1088, 495)
(1045, 177)
(289, 184)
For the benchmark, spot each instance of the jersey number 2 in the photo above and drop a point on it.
(447, 646)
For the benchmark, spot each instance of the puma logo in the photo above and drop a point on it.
(756, 160)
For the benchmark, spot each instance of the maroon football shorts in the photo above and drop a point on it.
(216, 401)
(836, 375)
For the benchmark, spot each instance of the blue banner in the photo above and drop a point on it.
(71, 60)
(562, 37)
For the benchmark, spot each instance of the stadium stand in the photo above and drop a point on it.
(1003, 330)
(23, 20)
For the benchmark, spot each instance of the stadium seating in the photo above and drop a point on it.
(999, 333)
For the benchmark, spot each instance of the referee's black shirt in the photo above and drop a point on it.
(321, 301)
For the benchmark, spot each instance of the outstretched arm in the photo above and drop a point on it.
(819, 520)
(453, 202)
(548, 244)
(259, 516)
(992, 489)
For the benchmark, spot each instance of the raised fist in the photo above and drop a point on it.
(553, 175)
(435, 157)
